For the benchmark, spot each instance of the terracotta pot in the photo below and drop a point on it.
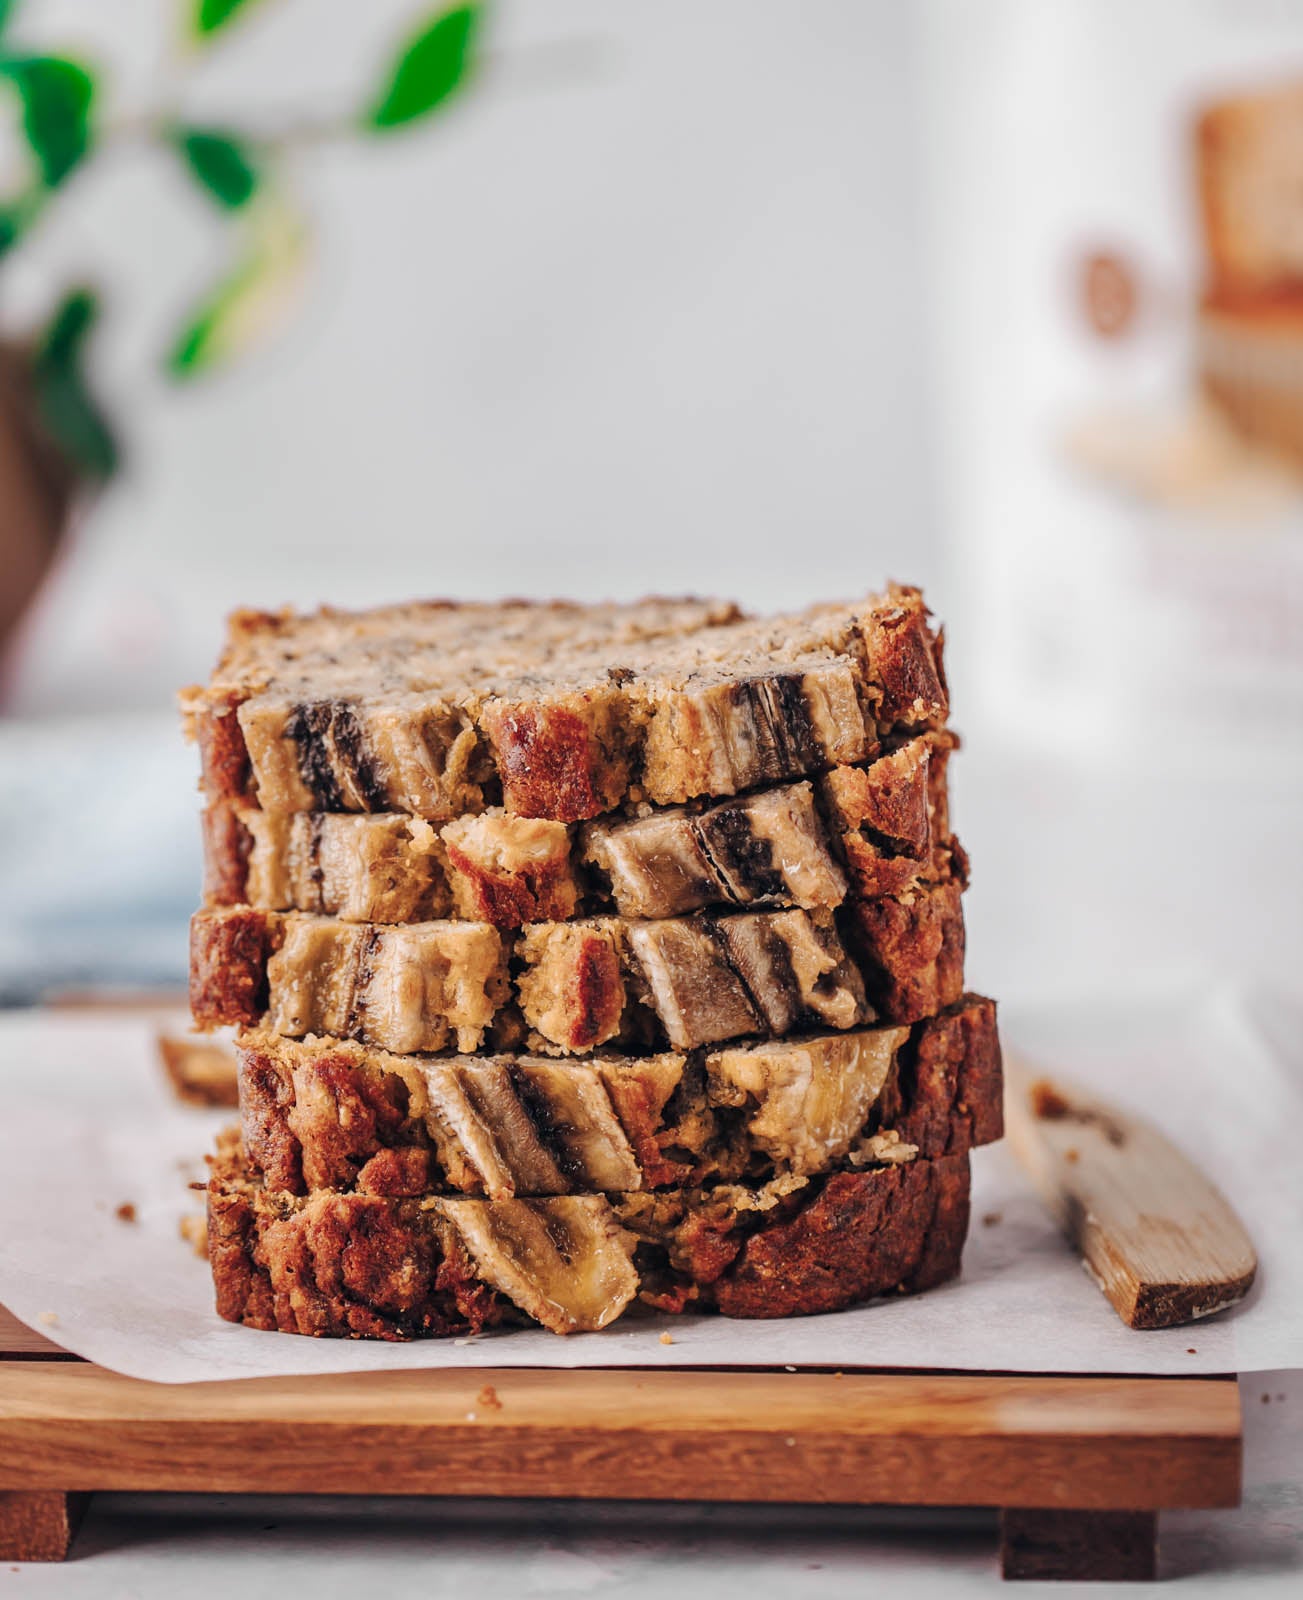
(37, 489)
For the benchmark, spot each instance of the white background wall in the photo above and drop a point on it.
(641, 314)
(647, 311)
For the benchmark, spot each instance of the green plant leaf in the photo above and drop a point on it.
(429, 68)
(66, 405)
(221, 163)
(56, 96)
(6, 13)
(245, 302)
(210, 15)
(17, 215)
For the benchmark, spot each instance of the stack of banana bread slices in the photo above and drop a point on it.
(581, 956)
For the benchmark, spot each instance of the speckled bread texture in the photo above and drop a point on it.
(875, 829)
(322, 1114)
(367, 1266)
(556, 711)
(575, 986)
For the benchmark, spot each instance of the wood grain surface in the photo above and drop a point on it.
(903, 1439)
(17, 1339)
(1158, 1236)
(38, 1525)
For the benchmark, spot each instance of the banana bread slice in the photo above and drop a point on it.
(883, 827)
(368, 1266)
(326, 1114)
(627, 982)
(567, 711)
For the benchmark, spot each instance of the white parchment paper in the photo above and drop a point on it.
(87, 1125)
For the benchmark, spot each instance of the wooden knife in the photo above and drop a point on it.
(1155, 1232)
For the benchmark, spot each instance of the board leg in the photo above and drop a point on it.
(38, 1524)
(1117, 1546)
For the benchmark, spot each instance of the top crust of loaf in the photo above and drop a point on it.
(568, 711)
(557, 647)
(432, 644)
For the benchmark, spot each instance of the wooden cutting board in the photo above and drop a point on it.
(1078, 1467)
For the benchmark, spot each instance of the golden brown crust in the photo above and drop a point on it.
(949, 1094)
(552, 761)
(571, 988)
(223, 755)
(227, 844)
(510, 870)
(910, 950)
(228, 966)
(344, 1267)
(906, 659)
(543, 893)
(865, 1234)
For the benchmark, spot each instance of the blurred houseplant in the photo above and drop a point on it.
(57, 446)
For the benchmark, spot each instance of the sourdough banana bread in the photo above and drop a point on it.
(570, 987)
(321, 1114)
(556, 711)
(370, 1266)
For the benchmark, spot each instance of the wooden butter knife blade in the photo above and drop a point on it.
(1155, 1233)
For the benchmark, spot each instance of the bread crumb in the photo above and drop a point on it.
(1191, 1351)
(789, 1369)
(470, 1416)
(1046, 1101)
(992, 1218)
(790, 1439)
(488, 1396)
(201, 1072)
(194, 1230)
(1072, 1156)
(666, 1338)
(48, 1319)
(126, 1212)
